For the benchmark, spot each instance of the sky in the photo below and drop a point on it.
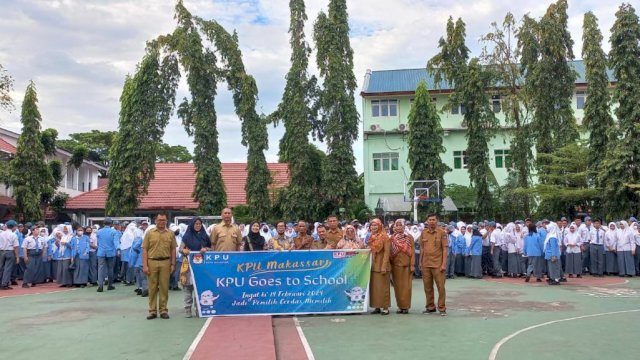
(78, 52)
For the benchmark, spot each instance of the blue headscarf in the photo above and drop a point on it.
(196, 240)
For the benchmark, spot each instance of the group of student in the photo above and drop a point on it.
(555, 249)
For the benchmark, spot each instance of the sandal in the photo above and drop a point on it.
(384, 312)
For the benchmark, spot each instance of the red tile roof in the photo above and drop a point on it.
(173, 185)
(6, 147)
(7, 201)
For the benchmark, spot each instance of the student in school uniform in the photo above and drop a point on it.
(475, 252)
(552, 255)
(32, 257)
(460, 248)
(610, 250)
(467, 250)
(573, 243)
(626, 250)
(64, 259)
(512, 250)
(93, 257)
(142, 288)
(495, 239)
(451, 256)
(81, 246)
(596, 249)
(533, 251)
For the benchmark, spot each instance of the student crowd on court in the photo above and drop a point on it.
(77, 256)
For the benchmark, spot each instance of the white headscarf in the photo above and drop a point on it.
(552, 230)
(468, 235)
(128, 236)
(265, 232)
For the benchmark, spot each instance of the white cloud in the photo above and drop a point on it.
(79, 51)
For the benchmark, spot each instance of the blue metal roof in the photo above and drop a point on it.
(406, 80)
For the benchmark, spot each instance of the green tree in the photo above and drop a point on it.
(546, 48)
(597, 115)
(173, 154)
(564, 182)
(295, 111)
(6, 86)
(254, 127)
(502, 58)
(425, 140)
(97, 142)
(339, 118)
(147, 101)
(470, 89)
(29, 174)
(49, 138)
(621, 173)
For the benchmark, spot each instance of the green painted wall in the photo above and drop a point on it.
(387, 138)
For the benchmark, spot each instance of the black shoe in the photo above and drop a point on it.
(166, 316)
(111, 288)
(99, 289)
(152, 316)
(563, 280)
(145, 293)
(138, 291)
(25, 286)
(33, 285)
(429, 311)
(5, 288)
(129, 284)
(538, 280)
(528, 278)
(376, 311)
(579, 276)
(14, 283)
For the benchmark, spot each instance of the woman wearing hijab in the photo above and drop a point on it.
(610, 249)
(513, 262)
(402, 260)
(265, 231)
(350, 240)
(126, 240)
(64, 259)
(93, 258)
(80, 246)
(533, 252)
(380, 286)
(626, 247)
(255, 241)
(573, 243)
(194, 239)
(475, 253)
(467, 250)
(460, 249)
(135, 259)
(552, 254)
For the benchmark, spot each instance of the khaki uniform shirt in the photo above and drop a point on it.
(319, 244)
(302, 242)
(226, 237)
(432, 244)
(334, 236)
(159, 243)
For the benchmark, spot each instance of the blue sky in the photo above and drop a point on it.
(78, 52)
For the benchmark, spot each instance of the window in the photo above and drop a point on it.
(503, 159)
(385, 161)
(495, 103)
(384, 108)
(460, 159)
(581, 97)
(458, 110)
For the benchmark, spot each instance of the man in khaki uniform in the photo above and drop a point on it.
(321, 243)
(334, 234)
(433, 263)
(226, 236)
(158, 263)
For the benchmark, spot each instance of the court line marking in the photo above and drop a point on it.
(196, 341)
(496, 347)
(38, 293)
(305, 343)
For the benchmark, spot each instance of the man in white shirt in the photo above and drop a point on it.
(596, 249)
(585, 234)
(495, 239)
(8, 254)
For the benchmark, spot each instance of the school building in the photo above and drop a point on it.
(386, 100)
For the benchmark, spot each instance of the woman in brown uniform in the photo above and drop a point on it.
(402, 266)
(380, 296)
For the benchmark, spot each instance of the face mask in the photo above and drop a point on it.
(80, 233)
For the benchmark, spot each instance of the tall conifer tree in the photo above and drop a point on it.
(425, 139)
(301, 200)
(339, 117)
(597, 115)
(29, 173)
(621, 172)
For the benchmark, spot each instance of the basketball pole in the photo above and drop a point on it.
(415, 208)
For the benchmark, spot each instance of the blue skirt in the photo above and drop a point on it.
(81, 273)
